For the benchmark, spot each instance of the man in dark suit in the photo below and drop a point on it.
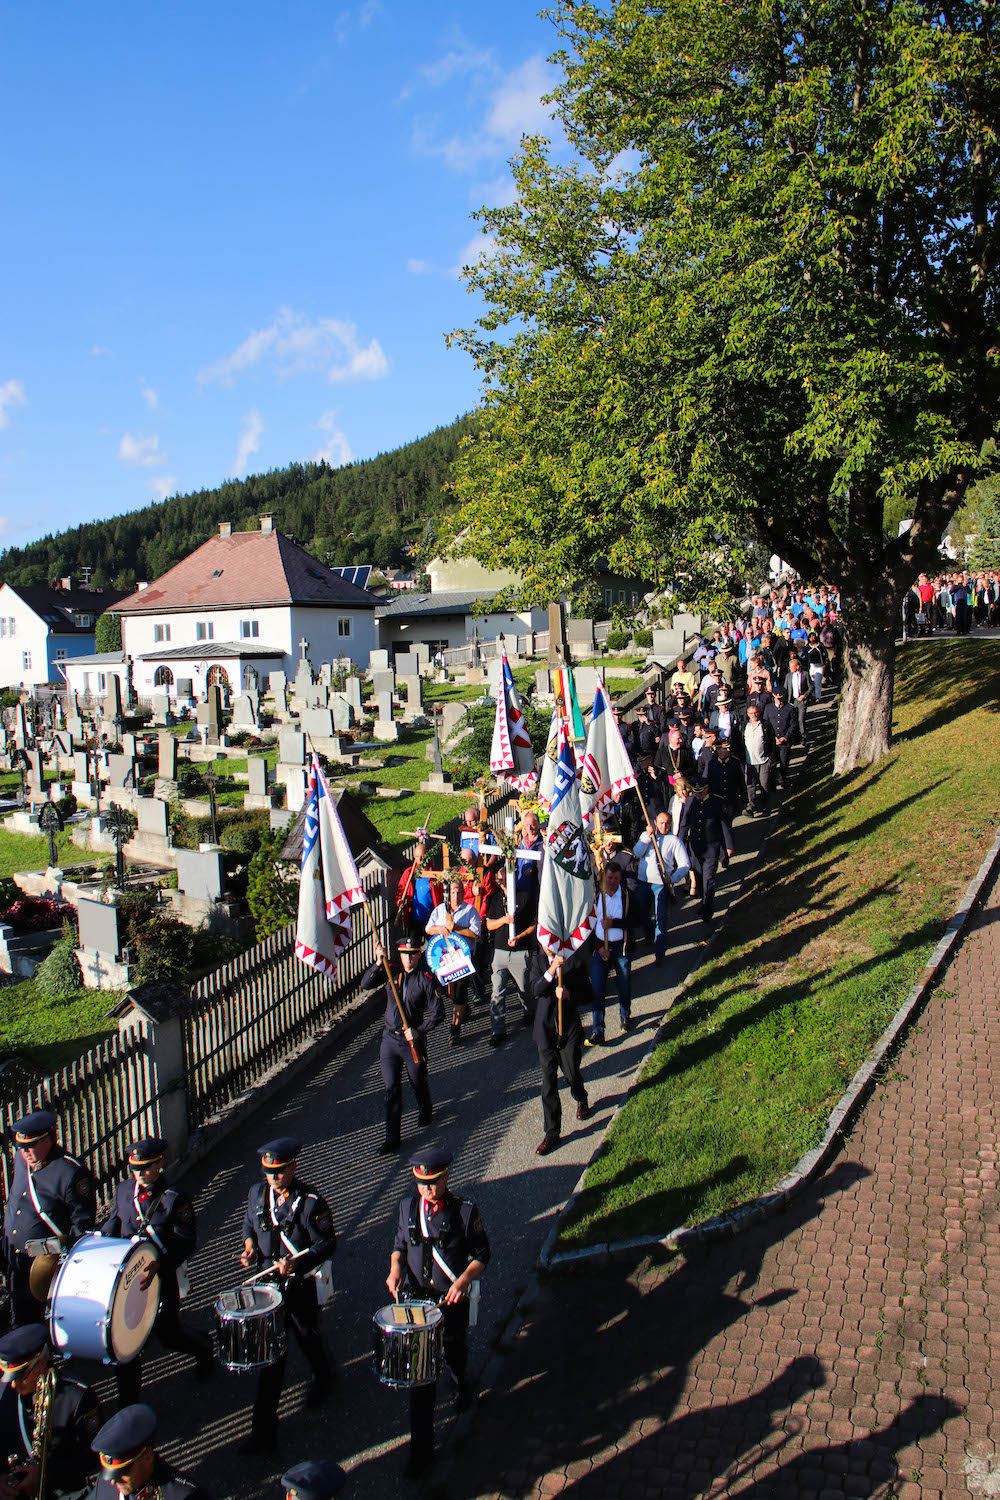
(782, 718)
(706, 831)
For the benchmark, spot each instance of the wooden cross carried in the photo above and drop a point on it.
(601, 843)
(510, 861)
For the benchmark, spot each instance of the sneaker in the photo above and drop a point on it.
(595, 1039)
(546, 1145)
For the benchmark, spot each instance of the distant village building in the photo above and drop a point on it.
(446, 621)
(43, 628)
(239, 607)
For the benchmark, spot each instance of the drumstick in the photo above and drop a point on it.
(268, 1269)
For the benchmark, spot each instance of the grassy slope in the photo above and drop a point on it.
(859, 883)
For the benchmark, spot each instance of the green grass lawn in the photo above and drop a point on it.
(860, 881)
(52, 1032)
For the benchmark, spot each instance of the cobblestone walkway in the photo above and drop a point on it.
(843, 1349)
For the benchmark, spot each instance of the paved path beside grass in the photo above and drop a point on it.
(845, 1348)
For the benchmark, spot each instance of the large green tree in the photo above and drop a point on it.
(760, 303)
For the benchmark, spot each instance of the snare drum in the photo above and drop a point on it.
(408, 1344)
(250, 1324)
(97, 1307)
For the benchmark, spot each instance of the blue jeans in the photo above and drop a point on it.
(656, 902)
(622, 963)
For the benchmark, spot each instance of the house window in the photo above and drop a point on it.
(344, 627)
(163, 677)
(60, 654)
(26, 661)
(621, 596)
(217, 677)
(204, 630)
(102, 682)
(609, 597)
(635, 600)
(13, 626)
(161, 633)
(3, 625)
(249, 629)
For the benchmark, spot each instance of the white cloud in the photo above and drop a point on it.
(369, 11)
(419, 267)
(145, 451)
(101, 351)
(336, 450)
(150, 396)
(253, 426)
(476, 250)
(11, 394)
(293, 345)
(514, 108)
(462, 59)
(161, 487)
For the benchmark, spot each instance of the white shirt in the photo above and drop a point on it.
(466, 916)
(672, 852)
(753, 741)
(613, 907)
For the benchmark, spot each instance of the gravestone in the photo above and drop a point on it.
(586, 680)
(99, 954)
(166, 768)
(81, 767)
(277, 684)
(113, 698)
(74, 726)
(687, 625)
(326, 674)
(423, 654)
(153, 817)
(161, 708)
(383, 682)
(342, 713)
(543, 682)
(121, 771)
(352, 692)
(36, 779)
(378, 661)
(199, 873)
(257, 775)
(63, 742)
(494, 674)
(129, 746)
(291, 748)
(452, 715)
(667, 644)
(295, 788)
(214, 696)
(407, 664)
(558, 645)
(185, 689)
(20, 726)
(317, 723)
(384, 709)
(245, 709)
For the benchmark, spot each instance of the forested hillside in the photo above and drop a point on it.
(364, 512)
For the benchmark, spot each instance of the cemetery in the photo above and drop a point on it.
(124, 818)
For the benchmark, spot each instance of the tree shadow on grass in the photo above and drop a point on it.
(666, 1208)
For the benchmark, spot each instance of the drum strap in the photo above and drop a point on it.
(39, 1210)
(145, 1217)
(287, 1224)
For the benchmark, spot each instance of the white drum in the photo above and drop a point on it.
(97, 1307)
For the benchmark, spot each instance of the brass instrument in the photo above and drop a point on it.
(43, 1413)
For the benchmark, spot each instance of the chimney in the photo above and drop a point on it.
(225, 528)
(267, 523)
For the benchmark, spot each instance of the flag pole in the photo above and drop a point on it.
(392, 982)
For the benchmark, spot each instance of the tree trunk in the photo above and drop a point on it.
(864, 725)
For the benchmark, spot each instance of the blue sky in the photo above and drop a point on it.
(233, 235)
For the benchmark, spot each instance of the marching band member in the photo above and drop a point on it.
(25, 1361)
(289, 1223)
(315, 1479)
(130, 1465)
(145, 1205)
(439, 1252)
(51, 1199)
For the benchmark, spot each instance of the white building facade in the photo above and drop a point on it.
(43, 628)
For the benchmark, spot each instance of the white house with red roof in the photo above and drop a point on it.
(242, 605)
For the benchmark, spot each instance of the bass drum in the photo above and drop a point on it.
(98, 1307)
(408, 1344)
(250, 1324)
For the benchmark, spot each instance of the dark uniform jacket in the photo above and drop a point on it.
(304, 1218)
(76, 1419)
(704, 824)
(727, 781)
(679, 762)
(419, 993)
(577, 993)
(165, 1217)
(782, 718)
(165, 1483)
(65, 1192)
(457, 1232)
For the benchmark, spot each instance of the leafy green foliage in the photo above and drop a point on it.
(244, 835)
(762, 308)
(58, 975)
(272, 899)
(472, 758)
(108, 633)
(369, 511)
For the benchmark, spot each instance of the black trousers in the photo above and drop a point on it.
(394, 1056)
(784, 754)
(302, 1309)
(566, 1056)
(706, 865)
(423, 1397)
(172, 1334)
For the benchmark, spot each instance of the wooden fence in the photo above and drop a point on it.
(248, 1015)
(102, 1100)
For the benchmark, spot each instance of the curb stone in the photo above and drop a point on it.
(732, 1223)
